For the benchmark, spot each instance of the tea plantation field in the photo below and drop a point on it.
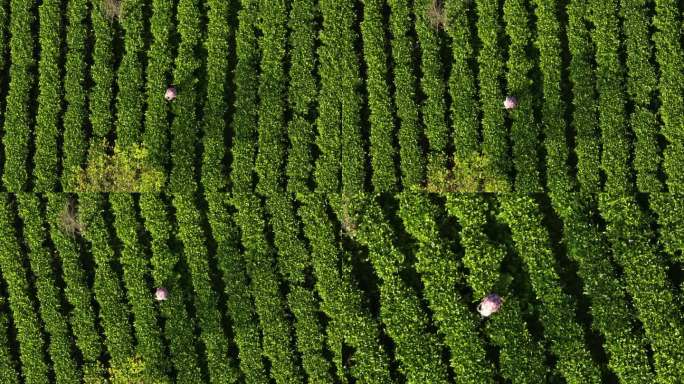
(330, 191)
(352, 96)
(353, 288)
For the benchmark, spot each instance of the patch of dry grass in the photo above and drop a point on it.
(69, 220)
(436, 14)
(348, 223)
(112, 9)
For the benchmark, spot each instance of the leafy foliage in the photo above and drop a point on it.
(126, 170)
(472, 175)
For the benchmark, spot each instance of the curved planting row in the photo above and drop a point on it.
(524, 130)
(24, 310)
(433, 109)
(585, 114)
(130, 98)
(59, 348)
(382, 136)
(46, 156)
(178, 326)
(558, 179)
(239, 301)
(270, 160)
(293, 262)
(328, 141)
(159, 64)
(135, 271)
(609, 77)
(4, 62)
(8, 371)
(64, 229)
(670, 58)
(566, 337)
(302, 93)
(4, 18)
(214, 124)
(440, 274)
(641, 85)
(588, 247)
(353, 158)
(521, 358)
(462, 87)
(220, 365)
(101, 95)
(406, 323)
(75, 115)
(17, 119)
(412, 162)
(107, 287)
(244, 125)
(628, 231)
(270, 305)
(339, 122)
(494, 138)
(671, 224)
(185, 126)
(341, 300)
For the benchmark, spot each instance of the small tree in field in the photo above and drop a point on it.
(134, 372)
(471, 175)
(126, 170)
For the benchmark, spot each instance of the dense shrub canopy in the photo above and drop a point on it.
(330, 191)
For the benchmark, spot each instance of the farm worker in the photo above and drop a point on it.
(511, 102)
(161, 294)
(170, 94)
(490, 305)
